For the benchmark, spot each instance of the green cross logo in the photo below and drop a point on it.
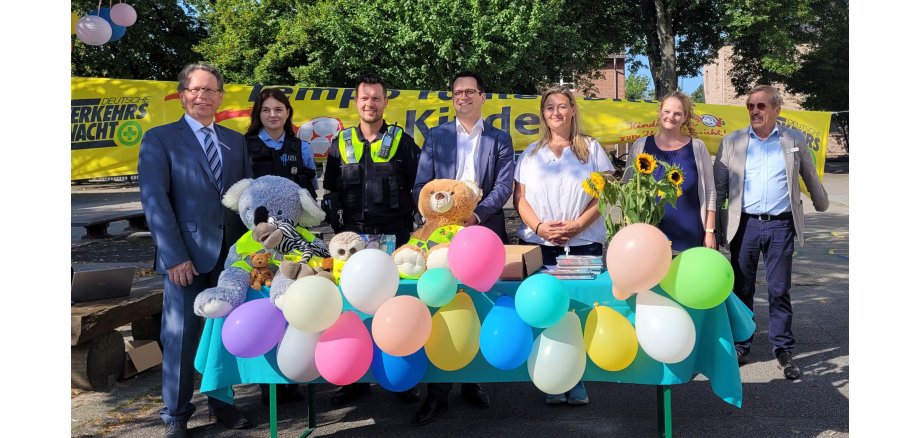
(129, 133)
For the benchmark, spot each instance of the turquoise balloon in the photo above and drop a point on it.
(699, 278)
(505, 340)
(437, 287)
(541, 300)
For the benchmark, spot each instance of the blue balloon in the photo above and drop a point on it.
(541, 300)
(398, 374)
(505, 339)
(106, 14)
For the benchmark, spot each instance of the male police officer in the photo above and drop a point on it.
(369, 175)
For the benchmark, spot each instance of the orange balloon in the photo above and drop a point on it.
(638, 257)
(401, 325)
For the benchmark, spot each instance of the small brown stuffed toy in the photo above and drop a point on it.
(261, 274)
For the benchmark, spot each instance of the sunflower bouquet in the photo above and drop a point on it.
(641, 198)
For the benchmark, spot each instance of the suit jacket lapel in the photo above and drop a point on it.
(785, 144)
(448, 152)
(194, 148)
(486, 145)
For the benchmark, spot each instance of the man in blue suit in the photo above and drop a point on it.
(183, 170)
(467, 149)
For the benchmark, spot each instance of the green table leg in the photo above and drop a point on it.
(311, 411)
(664, 411)
(273, 409)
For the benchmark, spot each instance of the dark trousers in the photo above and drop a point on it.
(179, 334)
(551, 252)
(442, 390)
(774, 239)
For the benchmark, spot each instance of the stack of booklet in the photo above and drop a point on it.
(575, 267)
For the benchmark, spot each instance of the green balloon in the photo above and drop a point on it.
(699, 278)
(437, 287)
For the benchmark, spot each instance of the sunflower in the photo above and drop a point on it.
(675, 176)
(645, 163)
(661, 194)
(679, 192)
(588, 187)
(598, 181)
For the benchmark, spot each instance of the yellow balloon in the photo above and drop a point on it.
(74, 18)
(610, 339)
(454, 339)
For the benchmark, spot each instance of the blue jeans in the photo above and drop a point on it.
(774, 239)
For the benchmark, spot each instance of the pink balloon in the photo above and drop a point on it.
(344, 351)
(638, 257)
(476, 257)
(401, 325)
(123, 14)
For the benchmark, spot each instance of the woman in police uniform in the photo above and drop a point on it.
(274, 147)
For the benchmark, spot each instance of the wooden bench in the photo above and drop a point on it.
(97, 350)
(97, 226)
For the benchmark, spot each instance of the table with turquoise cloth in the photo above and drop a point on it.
(713, 354)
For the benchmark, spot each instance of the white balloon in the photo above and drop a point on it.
(557, 360)
(297, 354)
(123, 14)
(369, 278)
(94, 30)
(664, 328)
(312, 304)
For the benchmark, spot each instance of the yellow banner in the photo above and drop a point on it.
(110, 116)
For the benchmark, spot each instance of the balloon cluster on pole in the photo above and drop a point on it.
(104, 25)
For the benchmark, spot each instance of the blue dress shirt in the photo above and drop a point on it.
(765, 187)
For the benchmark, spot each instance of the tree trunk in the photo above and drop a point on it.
(665, 31)
(653, 46)
(95, 365)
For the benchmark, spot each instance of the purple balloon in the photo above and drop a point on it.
(253, 329)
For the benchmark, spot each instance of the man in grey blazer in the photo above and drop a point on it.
(467, 149)
(183, 170)
(757, 169)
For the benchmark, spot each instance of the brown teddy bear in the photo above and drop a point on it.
(445, 204)
(261, 274)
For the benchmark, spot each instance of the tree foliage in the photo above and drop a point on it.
(678, 38)
(517, 45)
(803, 44)
(637, 87)
(698, 95)
(156, 47)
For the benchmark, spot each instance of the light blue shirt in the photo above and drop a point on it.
(200, 134)
(765, 186)
(305, 149)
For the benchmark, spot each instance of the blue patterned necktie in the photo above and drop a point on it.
(213, 157)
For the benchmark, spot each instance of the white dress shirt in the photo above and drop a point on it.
(467, 146)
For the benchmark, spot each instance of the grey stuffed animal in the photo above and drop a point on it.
(263, 203)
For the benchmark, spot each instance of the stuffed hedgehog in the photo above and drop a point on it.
(445, 204)
(269, 206)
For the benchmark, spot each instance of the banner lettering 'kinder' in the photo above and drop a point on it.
(110, 116)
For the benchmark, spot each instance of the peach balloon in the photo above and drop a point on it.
(401, 325)
(638, 257)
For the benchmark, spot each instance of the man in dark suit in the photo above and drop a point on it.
(183, 170)
(467, 149)
(757, 170)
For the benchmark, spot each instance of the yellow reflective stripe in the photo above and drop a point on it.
(375, 147)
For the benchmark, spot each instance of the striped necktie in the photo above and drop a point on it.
(210, 150)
